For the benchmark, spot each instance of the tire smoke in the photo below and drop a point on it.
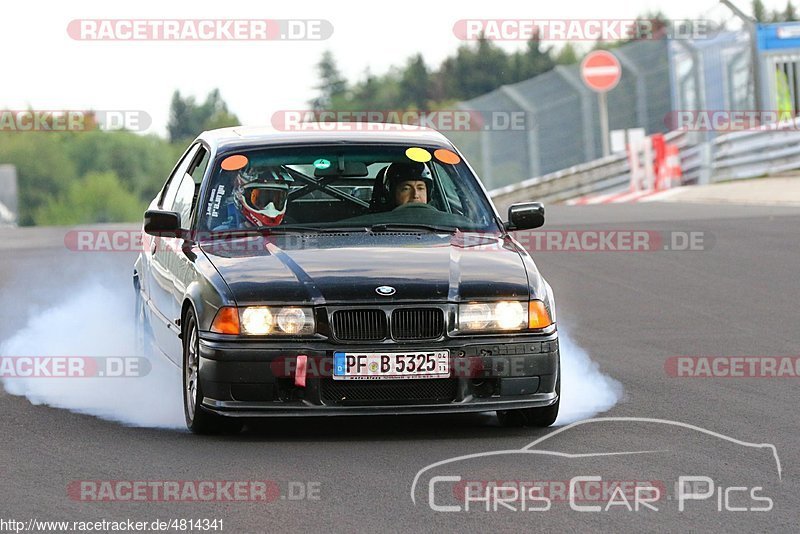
(96, 321)
(585, 391)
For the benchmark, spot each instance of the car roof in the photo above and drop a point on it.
(239, 137)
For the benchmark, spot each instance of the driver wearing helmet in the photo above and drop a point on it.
(260, 195)
(409, 182)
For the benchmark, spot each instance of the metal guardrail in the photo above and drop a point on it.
(748, 154)
(769, 150)
(586, 178)
(8, 195)
(7, 218)
(594, 177)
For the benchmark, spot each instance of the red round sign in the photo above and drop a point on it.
(600, 71)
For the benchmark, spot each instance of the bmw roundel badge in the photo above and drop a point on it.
(385, 290)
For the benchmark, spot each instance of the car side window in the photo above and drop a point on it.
(189, 186)
(184, 200)
(171, 188)
(198, 168)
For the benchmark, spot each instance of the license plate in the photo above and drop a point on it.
(386, 365)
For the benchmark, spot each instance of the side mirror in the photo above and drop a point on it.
(162, 223)
(525, 216)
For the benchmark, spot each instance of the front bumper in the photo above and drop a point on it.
(257, 379)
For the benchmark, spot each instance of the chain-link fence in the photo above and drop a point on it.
(714, 74)
(562, 124)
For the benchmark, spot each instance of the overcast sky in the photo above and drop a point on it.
(45, 69)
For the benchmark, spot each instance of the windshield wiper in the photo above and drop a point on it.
(392, 227)
(322, 229)
(286, 228)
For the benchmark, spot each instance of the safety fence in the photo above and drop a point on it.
(749, 154)
(595, 177)
(766, 151)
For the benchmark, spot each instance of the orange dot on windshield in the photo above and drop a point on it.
(447, 156)
(234, 163)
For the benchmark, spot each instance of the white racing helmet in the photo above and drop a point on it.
(261, 195)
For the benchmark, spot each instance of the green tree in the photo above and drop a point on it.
(658, 20)
(533, 61)
(332, 85)
(187, 118)
(415, 83)
(215, 113)
(475, 70)
(96, 198)
(142, 162)
(367, 90)
(790, 13)
(181, 119)
(567, 55)
(43, 167)
(759, 11)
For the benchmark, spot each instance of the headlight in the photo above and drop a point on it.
(257, 320)
(265, 321)
(509, 316)
(292, 320)
(474, 316)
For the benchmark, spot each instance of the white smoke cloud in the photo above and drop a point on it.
(96, 321)
(585, 391)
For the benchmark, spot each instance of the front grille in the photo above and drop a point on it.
(359, 325)
(417, 323)
(369, 392)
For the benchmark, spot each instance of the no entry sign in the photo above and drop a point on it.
(600, 71)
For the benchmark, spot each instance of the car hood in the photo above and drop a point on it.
(339, 268)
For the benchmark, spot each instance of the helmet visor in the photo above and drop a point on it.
(259, 197)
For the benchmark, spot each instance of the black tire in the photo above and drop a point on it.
(544, 417)
(511, 418)
(198, 419)
(535, 417)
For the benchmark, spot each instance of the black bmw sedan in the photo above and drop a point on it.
(348, 272)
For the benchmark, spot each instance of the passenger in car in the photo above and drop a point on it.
(253, 198)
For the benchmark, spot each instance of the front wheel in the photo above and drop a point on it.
(198, 419)
(536, 417)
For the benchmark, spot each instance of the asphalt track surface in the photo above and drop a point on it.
(629, 311)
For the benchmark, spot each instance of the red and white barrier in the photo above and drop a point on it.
(655, 168)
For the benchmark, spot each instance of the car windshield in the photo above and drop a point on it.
(333, 187)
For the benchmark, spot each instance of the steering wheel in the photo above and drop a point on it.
(415, 205)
